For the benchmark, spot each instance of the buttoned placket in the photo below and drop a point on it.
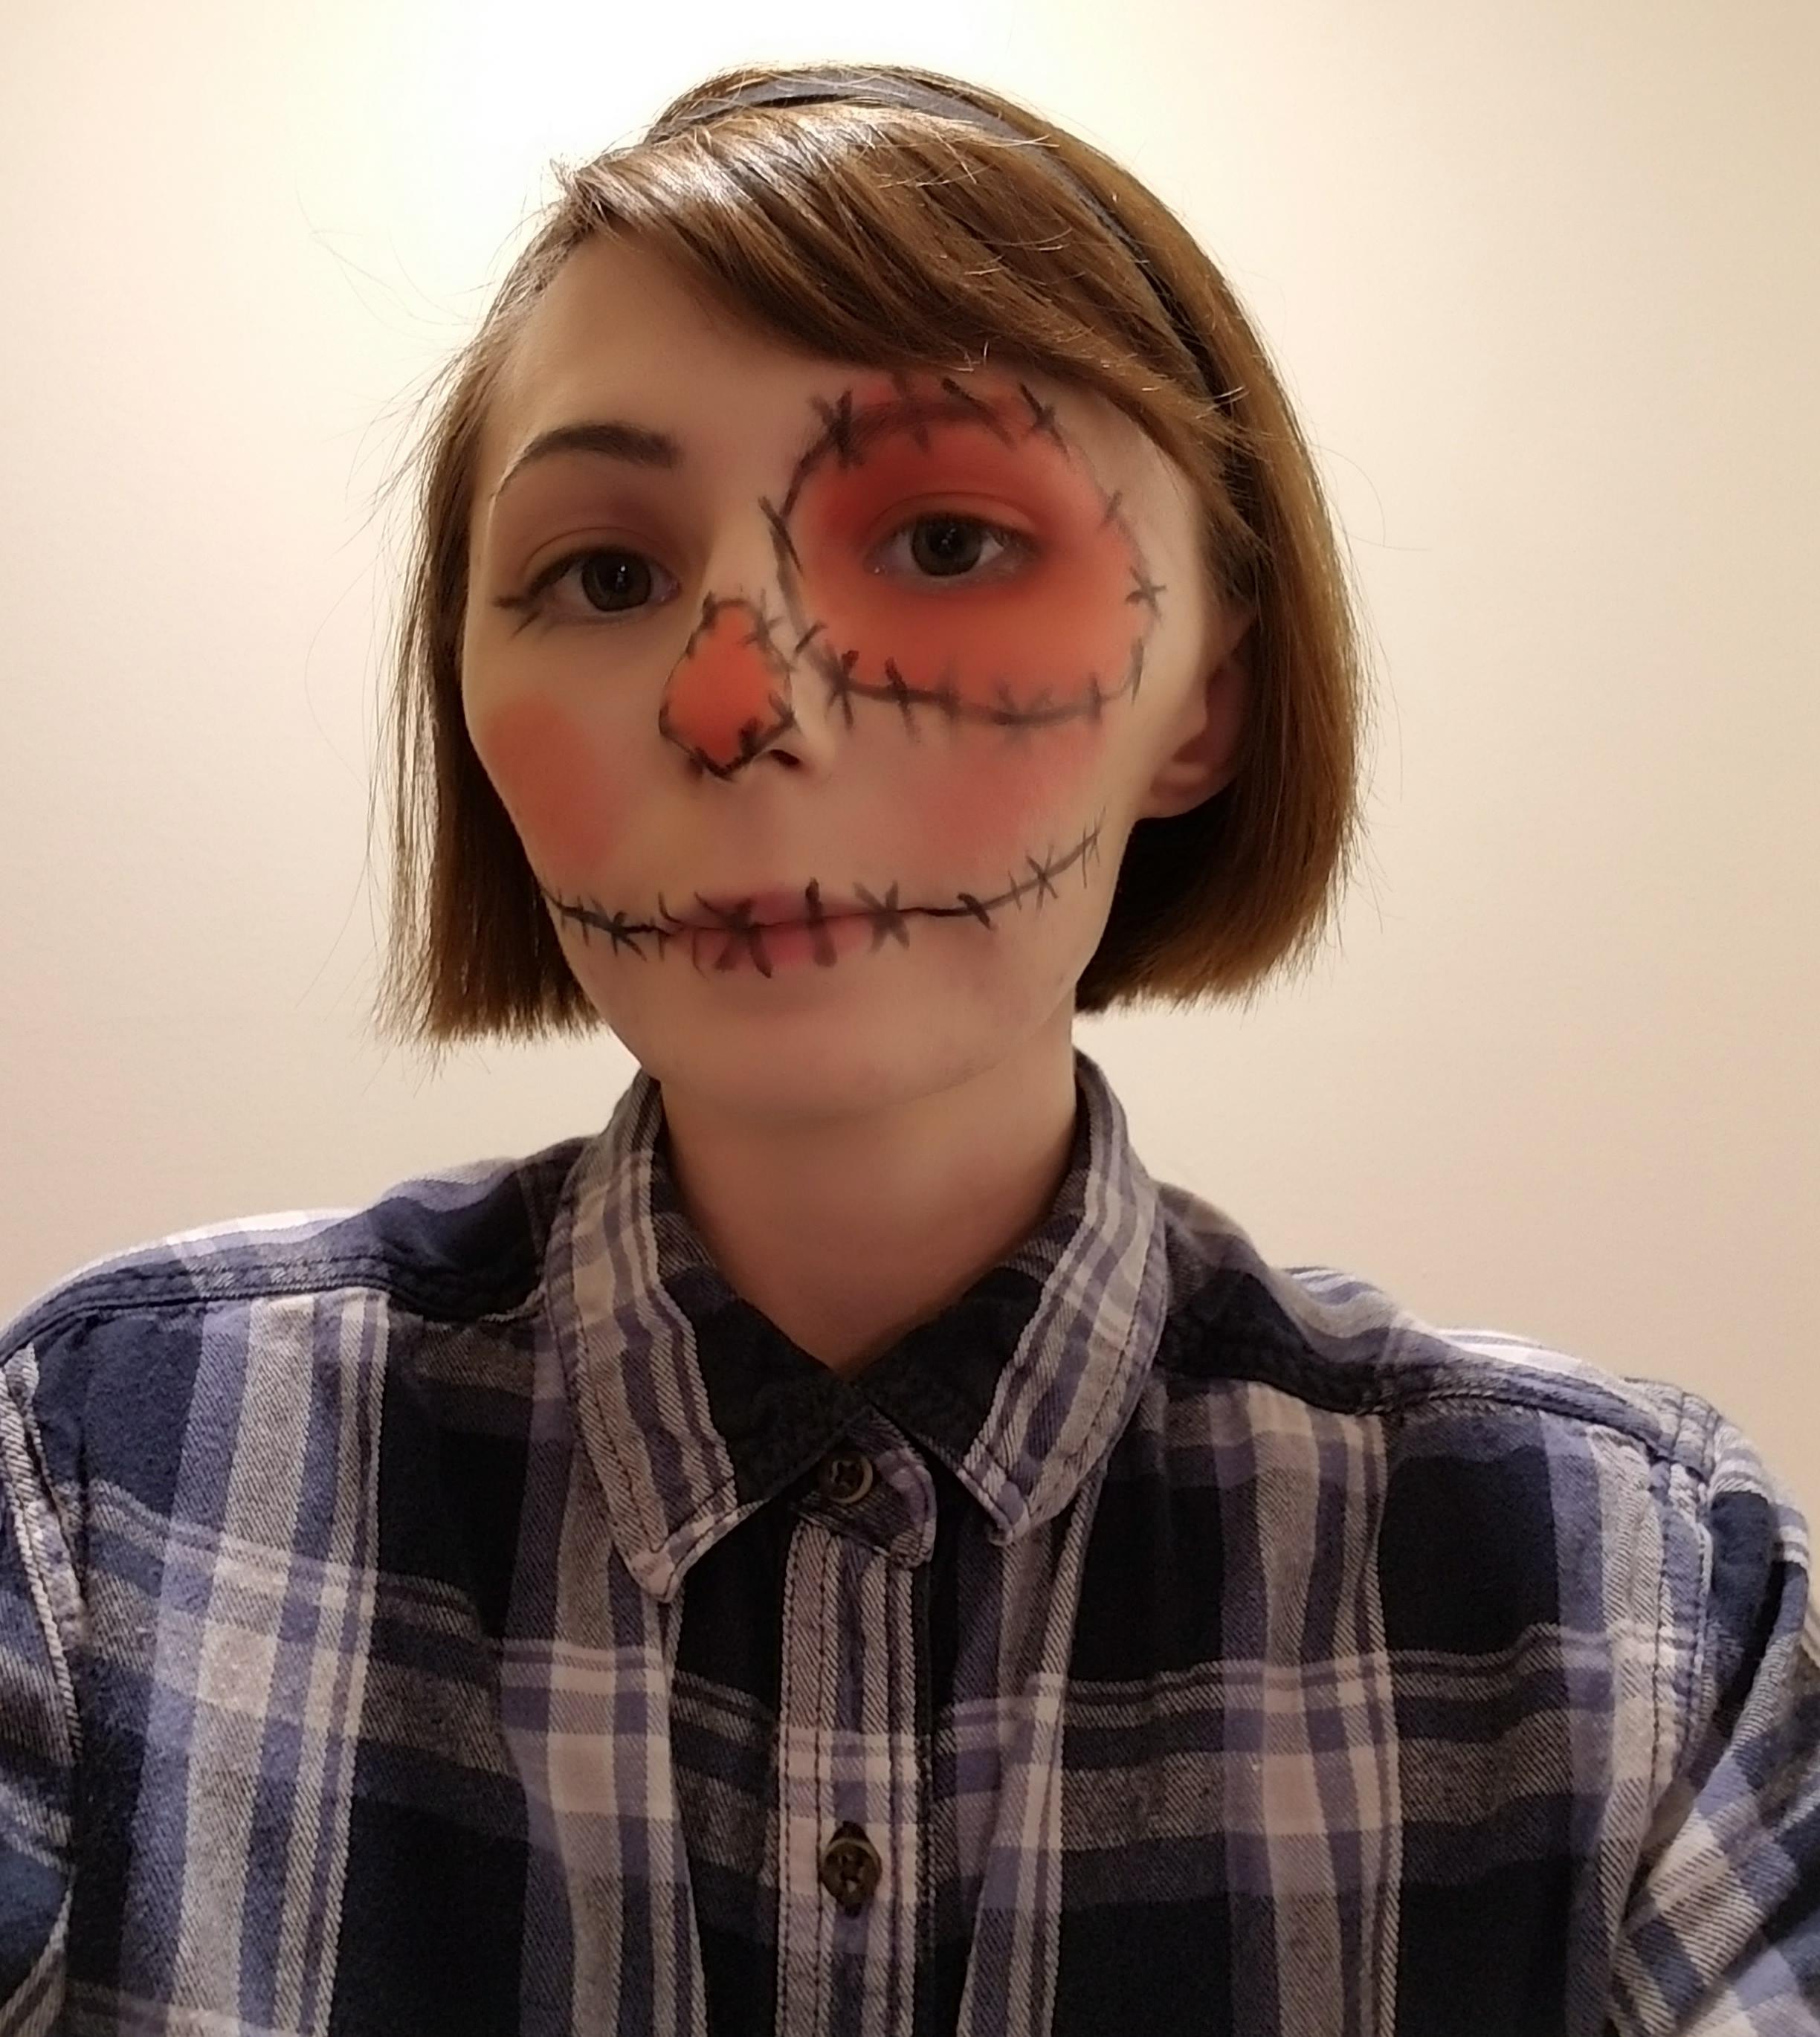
(851, 1762)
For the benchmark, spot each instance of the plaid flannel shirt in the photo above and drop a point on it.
(466, 1614)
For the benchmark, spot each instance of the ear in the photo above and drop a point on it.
(1205, 733)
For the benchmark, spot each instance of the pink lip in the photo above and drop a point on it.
(772, 908)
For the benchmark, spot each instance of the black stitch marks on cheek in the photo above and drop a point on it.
(765, 712)
(845, 434)
(624, 931)
(837, 668)
(1146, 590)
(781, 541)
(898, 689)
(742, 935)
(1014, 717)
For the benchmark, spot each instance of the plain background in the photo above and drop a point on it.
(1543, 278)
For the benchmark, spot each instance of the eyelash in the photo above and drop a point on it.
(532, 601)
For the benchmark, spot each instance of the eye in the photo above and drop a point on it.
(944, 545)
(613, 582)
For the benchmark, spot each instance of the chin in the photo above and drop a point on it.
(875, 1031)
(810, 1065)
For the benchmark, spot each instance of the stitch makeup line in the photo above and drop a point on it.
(739, 940)
(974, 652)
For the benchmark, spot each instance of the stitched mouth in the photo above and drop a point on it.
(741, 927)
(888, 915)
(718, 915)
(770, 926)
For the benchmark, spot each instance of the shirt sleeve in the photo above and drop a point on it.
(38, 1732)
(1721, 1936)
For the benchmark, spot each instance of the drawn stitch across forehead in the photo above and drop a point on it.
(1060, 642)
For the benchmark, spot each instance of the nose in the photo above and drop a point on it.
(731, 697)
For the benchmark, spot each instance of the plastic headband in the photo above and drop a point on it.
(864, 87)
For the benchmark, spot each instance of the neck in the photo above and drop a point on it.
(849, 1231)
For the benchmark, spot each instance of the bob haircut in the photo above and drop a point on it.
(887, 237)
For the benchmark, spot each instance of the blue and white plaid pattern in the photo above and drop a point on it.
(466, 1614)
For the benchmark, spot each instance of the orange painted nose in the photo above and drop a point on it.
(728, 699)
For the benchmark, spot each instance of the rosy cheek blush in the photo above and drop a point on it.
(562, 798)
(1003, 806)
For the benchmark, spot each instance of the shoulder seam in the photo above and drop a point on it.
(1684, 1693)
(154, 1289)
(1539, 1394)
(38, 1527)
(1663, 1442)
(124, 1282)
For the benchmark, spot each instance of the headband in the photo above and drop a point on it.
(868, 88)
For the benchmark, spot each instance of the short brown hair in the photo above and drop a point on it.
(899, 238)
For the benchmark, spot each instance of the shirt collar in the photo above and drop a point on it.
(694, 1409)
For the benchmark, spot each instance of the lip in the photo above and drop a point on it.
(775, 906)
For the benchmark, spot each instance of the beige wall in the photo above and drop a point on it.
(1543, 279)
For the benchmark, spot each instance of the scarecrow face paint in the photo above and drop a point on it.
(789, 672)
(1051, 630)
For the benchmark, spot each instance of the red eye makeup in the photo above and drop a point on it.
(1053, 627)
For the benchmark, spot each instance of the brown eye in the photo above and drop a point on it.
(945, 545)
(615, 583)
(614, 580)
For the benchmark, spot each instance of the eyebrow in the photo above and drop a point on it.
(613, 438)
(606, 438)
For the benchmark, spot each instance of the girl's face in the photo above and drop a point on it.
(823, 699)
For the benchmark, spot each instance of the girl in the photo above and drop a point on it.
(842, 1548)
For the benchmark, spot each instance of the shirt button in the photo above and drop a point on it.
(846, 1477)
(850, 1869)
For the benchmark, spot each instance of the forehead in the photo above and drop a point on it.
(620, 332)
